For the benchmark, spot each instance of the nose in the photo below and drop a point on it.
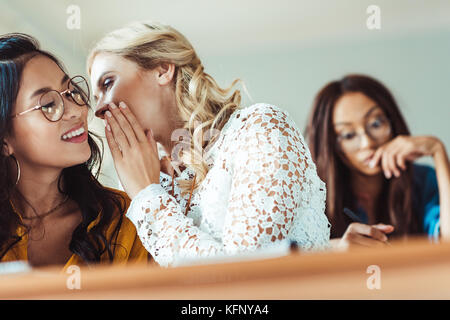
(366, 141)
(102, 106)
(72, 110)
(100, 110)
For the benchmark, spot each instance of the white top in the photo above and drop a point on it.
(262, 187)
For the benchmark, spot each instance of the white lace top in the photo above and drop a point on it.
(262, 187)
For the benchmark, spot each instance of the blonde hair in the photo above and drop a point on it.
(202, 104)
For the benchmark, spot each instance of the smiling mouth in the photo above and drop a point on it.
(78, 135)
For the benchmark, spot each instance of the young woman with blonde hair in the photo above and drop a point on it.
(238, 179)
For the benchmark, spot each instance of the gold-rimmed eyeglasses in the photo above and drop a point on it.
(378, 128)
(51, 103)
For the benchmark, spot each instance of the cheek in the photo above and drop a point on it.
(86, 114)
(37, 144)
(124, 90)
(349, 158)
(43, 146)
(141, 102)
(115, 95)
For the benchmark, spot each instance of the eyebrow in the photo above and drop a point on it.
(365, 116)
(46, 89)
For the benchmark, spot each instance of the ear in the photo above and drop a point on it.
(7, 149)
(165, 73)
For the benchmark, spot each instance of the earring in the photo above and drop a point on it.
(18, 169)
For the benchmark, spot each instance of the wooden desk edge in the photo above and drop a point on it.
(122, 277)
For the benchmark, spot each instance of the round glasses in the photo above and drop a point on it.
(378, 128)
(51, 103)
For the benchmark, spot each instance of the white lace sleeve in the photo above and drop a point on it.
(274, 194)
(164, 230)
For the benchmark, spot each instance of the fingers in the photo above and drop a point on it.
(113, 146)
(152, 141)
(125, 128)
(120, 126)
(401, 161)
(386, 228)
(367, 231)
(392, 158)
(361, 240)
(116, 131)
(376, 157)
(373, 232)
(366, 235)
(125, 131)
(388, 163)
(134, 124)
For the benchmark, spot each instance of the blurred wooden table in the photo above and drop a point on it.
(413, 270)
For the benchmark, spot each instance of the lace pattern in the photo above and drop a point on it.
(262, 187)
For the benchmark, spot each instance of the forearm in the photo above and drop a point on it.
(442, 167)
(164, 230)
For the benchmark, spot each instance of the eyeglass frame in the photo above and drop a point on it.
(366, 132)
(62, 94)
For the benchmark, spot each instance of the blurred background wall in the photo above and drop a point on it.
(283, 50)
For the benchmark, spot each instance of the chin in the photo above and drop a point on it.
(370, 171)
(79, 158)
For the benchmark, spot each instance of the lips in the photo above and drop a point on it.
(77, 134)
(368, 160)
(73, 129)
(77, 139)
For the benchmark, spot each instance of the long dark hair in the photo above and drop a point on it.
(79, 182)
(396, 206)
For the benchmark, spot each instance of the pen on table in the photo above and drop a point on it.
(352, 215)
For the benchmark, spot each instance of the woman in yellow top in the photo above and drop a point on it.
(53, 209)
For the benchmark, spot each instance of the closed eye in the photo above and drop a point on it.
(347, 136)
(378, 122)
(107, 83)
(49, 105)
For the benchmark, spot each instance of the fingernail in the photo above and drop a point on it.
(108, 127)
(371, 164)
(109, 114)
(122, 105)
(113, 106)
(387, 174)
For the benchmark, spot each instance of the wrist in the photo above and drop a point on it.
(438, 148)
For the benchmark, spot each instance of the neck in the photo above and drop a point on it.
(39, 186)
(173, 124)
(367, 189)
